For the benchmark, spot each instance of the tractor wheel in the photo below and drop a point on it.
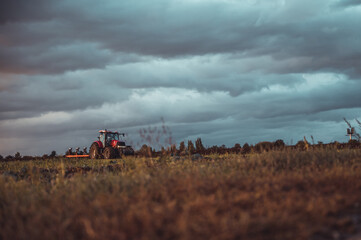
(94, 151)
(109, 153)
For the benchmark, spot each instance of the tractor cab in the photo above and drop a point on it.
(108, 138)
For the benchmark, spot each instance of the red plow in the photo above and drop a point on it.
(77, 153)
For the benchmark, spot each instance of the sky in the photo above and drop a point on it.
(224, 70)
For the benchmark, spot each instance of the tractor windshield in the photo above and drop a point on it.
(112, 136)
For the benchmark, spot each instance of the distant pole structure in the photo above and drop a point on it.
(350, 130)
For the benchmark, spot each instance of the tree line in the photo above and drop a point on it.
(197, 147)
(278, 145)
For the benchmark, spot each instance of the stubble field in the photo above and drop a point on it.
(273, 195)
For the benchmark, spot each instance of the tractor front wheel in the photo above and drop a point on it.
(94, 151)
(109, 153)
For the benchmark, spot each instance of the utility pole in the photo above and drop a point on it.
(350, 130)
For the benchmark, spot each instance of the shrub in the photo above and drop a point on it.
(145, 151)
(263, 146)
(246, 149)
(17, 155)
(279, 144)
(353, 144)
(52, 154)
(237, 148)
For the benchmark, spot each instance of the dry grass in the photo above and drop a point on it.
(275, 195)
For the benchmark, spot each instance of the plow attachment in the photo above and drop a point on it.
(77, 156)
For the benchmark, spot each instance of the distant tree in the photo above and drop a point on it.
(263, 146)
(279, 144)
(199, 146)
(17, 155)
(246, 148)
(45, 156)
(213, 149)
(191, 148)
(173, 149)
(52, 154)
(163, 151)
(237, 148)
(145, 151)
(1, 157)
(182, 147)
(9, 157)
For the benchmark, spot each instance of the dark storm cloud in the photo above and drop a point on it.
(227, 71)
(348, 3)
(23, 10)
(173, 29)
(37, 95)
(58, 59)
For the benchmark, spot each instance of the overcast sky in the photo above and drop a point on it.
(224, 70)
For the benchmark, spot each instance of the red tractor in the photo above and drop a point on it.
(109, 145)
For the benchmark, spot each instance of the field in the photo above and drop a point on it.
(288, 194)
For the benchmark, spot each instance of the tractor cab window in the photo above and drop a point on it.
(102, 138)
(112, 136)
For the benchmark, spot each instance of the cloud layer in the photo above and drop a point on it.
(227, 71)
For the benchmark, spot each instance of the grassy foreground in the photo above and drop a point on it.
(274, 195)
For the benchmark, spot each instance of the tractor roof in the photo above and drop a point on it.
(106, 131)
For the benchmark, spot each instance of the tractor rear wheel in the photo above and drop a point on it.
(109, 153)
(94, 151)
